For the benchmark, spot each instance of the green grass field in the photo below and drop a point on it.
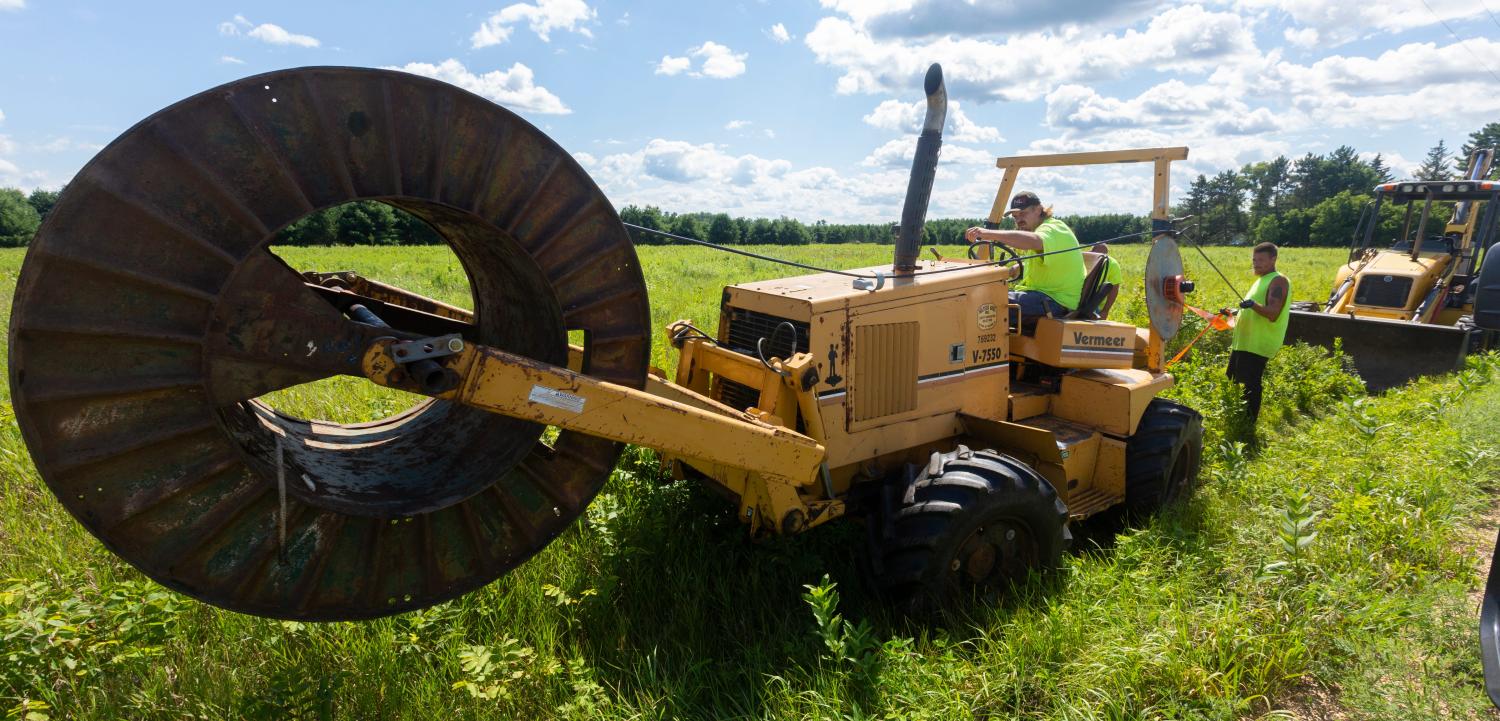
(1330, 572)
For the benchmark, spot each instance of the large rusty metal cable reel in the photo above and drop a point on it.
(1164, 268)
(150, 314)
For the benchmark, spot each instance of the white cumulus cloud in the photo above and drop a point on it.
(779, 33)
(898, 154)
(1026, 67)
(670, 65)
(266, 33)
(731, 125)
(515, 88)
(919, 18)
(230, 60)
(542, 18)
(1301, 37)
(1335, 22)
(719, 61)
(713, 61)
(276, 35)
(12, 4)
(908, 117)
(684, 177)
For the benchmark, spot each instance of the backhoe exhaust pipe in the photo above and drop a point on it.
(923, 169)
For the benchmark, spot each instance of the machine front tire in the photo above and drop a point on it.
(972, 524)
(1162, 458)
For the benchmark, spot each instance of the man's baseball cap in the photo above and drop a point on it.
(1023, 200)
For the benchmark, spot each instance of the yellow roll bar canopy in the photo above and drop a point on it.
(1162, 157)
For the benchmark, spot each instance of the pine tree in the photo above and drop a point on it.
(1438, 165)
(1381, 170)
(1307, 180)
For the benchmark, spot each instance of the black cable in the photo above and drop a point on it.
(760, 349)
(681, 334)
(745, 253)
(1222, 277)
(804, 266)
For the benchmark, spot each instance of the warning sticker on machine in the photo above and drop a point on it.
(557, 399)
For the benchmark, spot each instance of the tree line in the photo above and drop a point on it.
(1312, 200)
(1315, 199)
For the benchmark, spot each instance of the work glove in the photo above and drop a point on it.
(1247, 303)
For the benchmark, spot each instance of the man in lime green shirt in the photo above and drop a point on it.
(1259, 333)
(1113, 275)
(1054, 277)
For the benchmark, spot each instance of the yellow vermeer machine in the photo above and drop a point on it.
(1403, 306)
(151, 316)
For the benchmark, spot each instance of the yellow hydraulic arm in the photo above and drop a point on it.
(778, 458)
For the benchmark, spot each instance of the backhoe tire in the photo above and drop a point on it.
(1162, 458)
(971, 524)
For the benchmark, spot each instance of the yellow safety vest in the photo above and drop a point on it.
(1252, 332)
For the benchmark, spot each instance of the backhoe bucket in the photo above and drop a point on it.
(1387, 353)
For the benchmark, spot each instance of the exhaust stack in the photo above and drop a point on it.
(923, 168)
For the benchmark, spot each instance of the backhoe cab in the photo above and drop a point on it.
(1403, 305)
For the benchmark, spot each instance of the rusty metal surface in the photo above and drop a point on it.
(149, 314)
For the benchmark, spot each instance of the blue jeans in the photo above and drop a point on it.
(1036, 304)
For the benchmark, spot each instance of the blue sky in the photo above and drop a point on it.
(804, 108)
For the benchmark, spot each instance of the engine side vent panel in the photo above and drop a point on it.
(884, 381)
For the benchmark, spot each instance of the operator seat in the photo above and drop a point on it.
(1095, 290)
(1078, 339)
(1089, 297)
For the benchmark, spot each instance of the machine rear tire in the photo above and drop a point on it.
(1162, 458)
(972, 524)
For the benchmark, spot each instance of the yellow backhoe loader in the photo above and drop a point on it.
(151, 315)
(1403, 306)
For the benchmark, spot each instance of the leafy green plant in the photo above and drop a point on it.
(490, 672)
(1357, 414)
(1295, 528)
(845, 644)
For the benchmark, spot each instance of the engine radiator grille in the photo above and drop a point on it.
(736, 395)
(745, 328)
(885, 370)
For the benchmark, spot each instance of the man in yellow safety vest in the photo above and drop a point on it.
(1259, 333)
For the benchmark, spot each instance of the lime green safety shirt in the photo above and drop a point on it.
(1059, 276)
(1252, 332)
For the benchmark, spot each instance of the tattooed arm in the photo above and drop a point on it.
(1275, 300)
